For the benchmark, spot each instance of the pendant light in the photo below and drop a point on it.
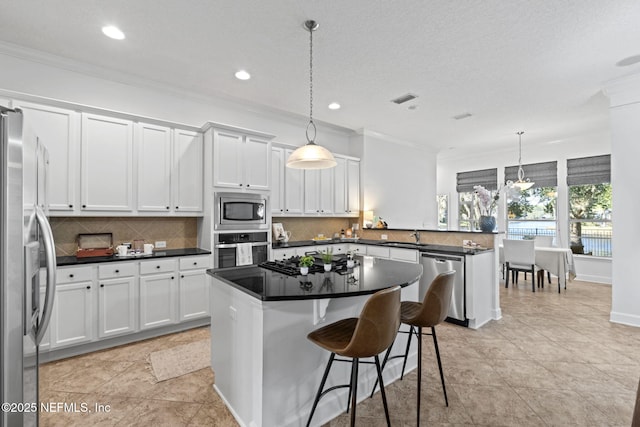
(521, 183)
(311, 155)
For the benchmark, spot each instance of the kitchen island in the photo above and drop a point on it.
(267, 372)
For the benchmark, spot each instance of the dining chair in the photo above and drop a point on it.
(360, 337)
(543, 242)
(520, 255)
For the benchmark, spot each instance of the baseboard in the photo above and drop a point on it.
(604, 280)
(625, 319)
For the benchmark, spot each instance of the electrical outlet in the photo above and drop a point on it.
(161, 244)
(383, 236)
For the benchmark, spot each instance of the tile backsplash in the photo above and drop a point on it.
(307, 228)
(177, 232)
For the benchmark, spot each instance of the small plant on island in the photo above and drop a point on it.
(327, 256)
(306, 261)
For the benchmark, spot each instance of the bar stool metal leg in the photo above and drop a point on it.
(419, 372)
(382, 392)
(435, 344)
(354, 390)
(324, 380)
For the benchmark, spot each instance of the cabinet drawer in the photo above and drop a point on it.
(378, 252)
(109, 270)
(195, 262)
(71, 275)
(358, 249)
(157, 266)
(408, 255)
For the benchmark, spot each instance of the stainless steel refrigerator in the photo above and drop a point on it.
(26, 246)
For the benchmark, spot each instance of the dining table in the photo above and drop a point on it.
(557, 261)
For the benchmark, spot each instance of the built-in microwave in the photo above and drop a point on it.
(241, 211)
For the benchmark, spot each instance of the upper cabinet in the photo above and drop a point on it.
(287, 185)
(347, 186)
(188, 170)
(59, 130)
(106, 181)
(154, 167)
(318, 191)
(241, 160)
(101, 165)
(330, 192)
(170, 169)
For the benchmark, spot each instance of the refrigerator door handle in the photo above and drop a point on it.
(50, 253)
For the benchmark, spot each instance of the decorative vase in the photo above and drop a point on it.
(304, 270)
(327, 267)
(487, 223)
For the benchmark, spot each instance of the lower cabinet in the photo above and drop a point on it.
(158, 293)
(116, 306)
(73, 314)
(194, 295)
(103, 300)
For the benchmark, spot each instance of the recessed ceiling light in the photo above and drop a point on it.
(334, 106)
(113, 32)
(243, 75)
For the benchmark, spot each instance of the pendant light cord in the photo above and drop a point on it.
(311, 26)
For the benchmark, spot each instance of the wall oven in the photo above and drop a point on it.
(232, 249)
(241, 211)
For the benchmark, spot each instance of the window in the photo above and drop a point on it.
(443, 211)
(533, 212)
(468, 213)
(590, 227)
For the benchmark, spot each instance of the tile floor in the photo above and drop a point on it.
(552, 360)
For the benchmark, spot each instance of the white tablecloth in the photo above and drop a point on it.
(558, 261)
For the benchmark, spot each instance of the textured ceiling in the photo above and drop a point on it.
(537, 66)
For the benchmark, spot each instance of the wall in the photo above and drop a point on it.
(452, 162)
(177, 232)
(308, 227)
(397, 180)
(625, 128)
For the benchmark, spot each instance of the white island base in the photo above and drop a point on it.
(266, 370)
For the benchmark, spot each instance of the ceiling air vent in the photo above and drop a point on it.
(404, 98)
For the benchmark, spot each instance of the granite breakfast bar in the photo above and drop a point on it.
(266, 371)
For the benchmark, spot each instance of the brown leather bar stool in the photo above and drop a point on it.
(365, 336)
(427, 314)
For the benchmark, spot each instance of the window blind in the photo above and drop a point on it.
(589, 170)
(542, 174)
(488, 178)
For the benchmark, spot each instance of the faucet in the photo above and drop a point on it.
(416, 234)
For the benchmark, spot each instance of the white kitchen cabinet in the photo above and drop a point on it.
(347, 186)
(73, 311)
(241, 161)
(358, 249)
(153, 145)
(405, 255)
(293, 188)
(378, 251)
(194, 287)
(107, 164)
(116, 306)
(318, 191)
(59, 130)
(277, 181)
(188, 171)
(158, 293)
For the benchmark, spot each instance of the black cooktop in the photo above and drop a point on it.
(290, 266)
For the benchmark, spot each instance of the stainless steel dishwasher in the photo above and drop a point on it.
(434, 264)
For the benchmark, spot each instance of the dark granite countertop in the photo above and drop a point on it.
(422, 247)
(368, 276)
(167, 253)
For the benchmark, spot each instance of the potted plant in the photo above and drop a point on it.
(327, 258)
(350, 261)
(305, 262)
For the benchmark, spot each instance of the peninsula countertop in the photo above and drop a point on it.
(164, 253)
(422, 247)
(368, 276)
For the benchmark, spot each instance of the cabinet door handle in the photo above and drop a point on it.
(84, 206)
(177, 207)
(88, 287)
(195, 263)
(248, 185)
(117, 271)
(172, 277)
(71, 206)
(240, 185)
(182, 276)
(167, 207)
(157, 266)
(71, 276)
(102, 285)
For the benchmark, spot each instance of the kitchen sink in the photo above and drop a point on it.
(401, 244)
